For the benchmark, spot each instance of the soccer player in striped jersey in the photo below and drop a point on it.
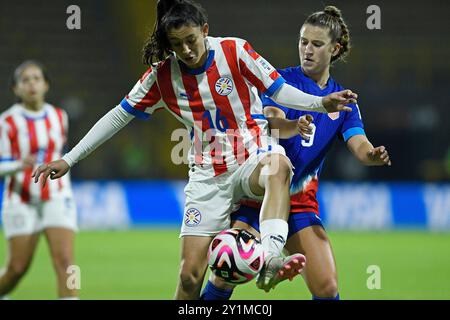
(307, 137)
(33, 132)
(211, 86)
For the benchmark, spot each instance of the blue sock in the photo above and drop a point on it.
(335, 298)
(211, 292)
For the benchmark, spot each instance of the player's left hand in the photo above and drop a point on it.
(379, 156)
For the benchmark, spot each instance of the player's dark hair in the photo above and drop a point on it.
(171, 14)
(24, 65)
(331, 18)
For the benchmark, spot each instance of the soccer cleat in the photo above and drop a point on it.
(277, 269)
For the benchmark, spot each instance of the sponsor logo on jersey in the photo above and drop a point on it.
(224, 86)
(267, 67)
(192, 217)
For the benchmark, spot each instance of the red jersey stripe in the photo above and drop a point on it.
(303, 201)
(14, 138)
(11, 186)
(25, 194)
(45, 192)
(251, 51)
(251, 77)
(229, 49)
(190, 84)
(198, 110)
(306, 200)
(60, 115)
(15, 149)
(165, 83)
(223, 104)
(151, 98)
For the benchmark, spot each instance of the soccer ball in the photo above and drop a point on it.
(236, 256)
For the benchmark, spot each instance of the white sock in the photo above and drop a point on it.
(273, 236)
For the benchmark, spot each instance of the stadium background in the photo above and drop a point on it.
(130, 194)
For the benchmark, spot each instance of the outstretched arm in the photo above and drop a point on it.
(366, 153)
(293, 98)
(103, 130)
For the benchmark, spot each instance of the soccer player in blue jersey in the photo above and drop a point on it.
(307, 137)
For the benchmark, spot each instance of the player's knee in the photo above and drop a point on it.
(328, 288)
(190, 277)
(279, 169)
(62, 261)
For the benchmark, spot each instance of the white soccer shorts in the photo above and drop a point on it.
(210, 201)
(29, 218)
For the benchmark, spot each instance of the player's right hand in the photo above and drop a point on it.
(304, 126)
(338, 101)
(55, 169)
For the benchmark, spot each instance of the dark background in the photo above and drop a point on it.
(400, 73)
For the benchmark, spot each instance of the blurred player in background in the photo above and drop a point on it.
(210, 85)
(33, 132)
(324, 39)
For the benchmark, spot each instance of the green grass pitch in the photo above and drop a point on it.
(143, 264)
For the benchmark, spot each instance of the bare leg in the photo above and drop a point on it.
(272, 178)
(320, 271)
(61, 243)
(194, 250)
(20, 255)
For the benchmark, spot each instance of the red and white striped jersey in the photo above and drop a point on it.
(218, 103)
(23, 133)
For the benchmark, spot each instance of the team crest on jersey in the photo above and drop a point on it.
(224, 86)
(333, 115)
(192, 217)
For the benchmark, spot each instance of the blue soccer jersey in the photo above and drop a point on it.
(308, 156)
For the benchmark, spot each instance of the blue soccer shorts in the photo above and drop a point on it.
(297, 220)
